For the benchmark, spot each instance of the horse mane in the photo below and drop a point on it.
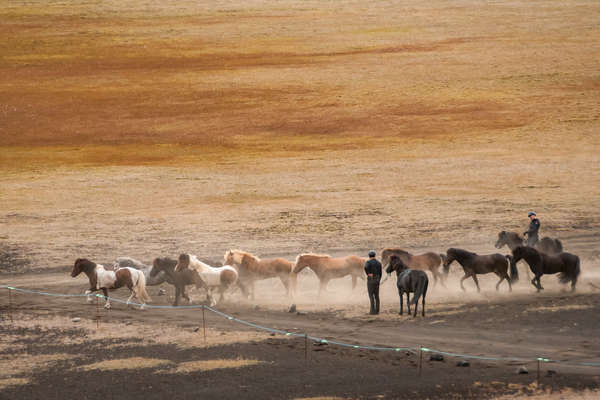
(398, 251)
(245, 254)
(512, 235)
(85, 265)
(462, 252)
(526, 250)
(312, 255)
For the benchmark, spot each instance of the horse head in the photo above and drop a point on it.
(501, 240)
(228, 258)
(449, 259)
(81, 265)
(396, 264)
(183, 262)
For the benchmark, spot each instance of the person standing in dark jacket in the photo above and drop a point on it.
(532, 232)
(373, 271)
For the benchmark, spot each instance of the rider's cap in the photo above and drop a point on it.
(531, 213)
(372, 253)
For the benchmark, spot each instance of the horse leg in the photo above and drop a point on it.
(423, 305)
(354, 278)
(499, 282)
(107, 305)
(244, 289)
(323, 286)
(509, 282)
(476, 282)
(252, 286)
(435, 277)
(210, 298)
(89, 297)
(286, 283)
(462, 280)
(400, 292)
(408, 301)
(177, 295)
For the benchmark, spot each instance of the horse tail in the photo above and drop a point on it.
(140, 288)
(514, 272)
(571, 273)
(559, 246)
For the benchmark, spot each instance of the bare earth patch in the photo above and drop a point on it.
(209, 365)
(125, 363)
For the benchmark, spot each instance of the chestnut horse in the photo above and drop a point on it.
(425, 262)
(566, 264)
(222, 278)
(474, 264)
(251, 268)
(103, 279)
(327, 268)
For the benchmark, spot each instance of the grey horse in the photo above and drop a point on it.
(128, 262)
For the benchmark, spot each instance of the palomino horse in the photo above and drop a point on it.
(222, 278)
(103, 279)
(251, 269)
(513, 239)
(567, 264)
(180, 280)
(408, 281)
(128, 262)
(425, 262)
(474, 264)
(327, 268)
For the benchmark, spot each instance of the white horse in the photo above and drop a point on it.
(102, 279)
(221, 278)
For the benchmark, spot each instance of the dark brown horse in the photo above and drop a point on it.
(474, 264)
(409, 281)
(424, 262)
(567, 265)
(513, 239)
(179, 279)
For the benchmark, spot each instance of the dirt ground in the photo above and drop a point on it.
(145, 128)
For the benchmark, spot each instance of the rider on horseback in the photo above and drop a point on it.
(532, 232)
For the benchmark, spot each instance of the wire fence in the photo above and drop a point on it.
(414, 350)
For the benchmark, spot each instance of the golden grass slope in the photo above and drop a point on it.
(207, 73)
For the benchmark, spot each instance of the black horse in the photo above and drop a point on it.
(474, 264)
(179, 279)
(513, 239)
(565, 264)
(409, 281)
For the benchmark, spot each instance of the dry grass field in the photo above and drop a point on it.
(148, 128)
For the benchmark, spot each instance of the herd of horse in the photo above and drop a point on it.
(242, 269)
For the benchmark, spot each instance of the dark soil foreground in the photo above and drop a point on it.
(330, 371)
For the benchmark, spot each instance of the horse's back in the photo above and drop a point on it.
(105, 278)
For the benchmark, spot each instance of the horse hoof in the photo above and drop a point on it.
(142, 307)
(108, 306)
(90, 300)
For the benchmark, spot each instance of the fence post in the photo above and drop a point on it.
(9, 303)
(97, 311)
(306, 348)
(204, 324)
(420, 359)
